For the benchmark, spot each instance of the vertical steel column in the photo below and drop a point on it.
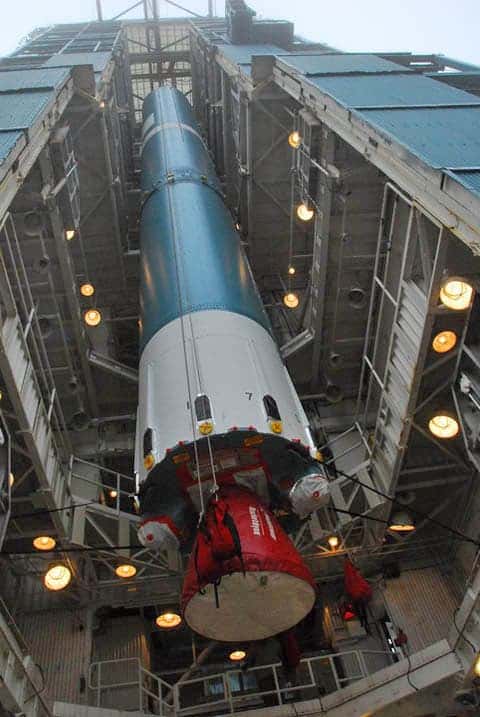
(99, 11)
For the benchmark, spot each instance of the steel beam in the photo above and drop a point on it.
(69, 279)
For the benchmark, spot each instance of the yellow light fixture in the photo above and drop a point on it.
(148, 461)
(205, 428)
(456, 294)
(476, 667)
(126, 571)
(168, 620)
(276, 426)
(87, 289)
(69, 234)
(113, 493)
(333, 542)
(304, 212)
(57, 577)
(291, 300)
(295, 139)
(237, 655)
(11, 479)
(443, 426)
(402, 522)
(444, 341)
(92, 317)
(44, 542)
(101, 104)
(291, 270)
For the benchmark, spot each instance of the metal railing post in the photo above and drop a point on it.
(160, 697)
(334, 671)
(176, 699)
(99, 683)
(277, 685)
(117, 499)
(310, 672)
(227, 692)
(362, 663)
(140, 686)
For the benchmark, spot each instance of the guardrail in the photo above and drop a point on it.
(112, 490)
(135, 686)
(231, 691)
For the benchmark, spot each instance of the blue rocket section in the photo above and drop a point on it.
(191, 257)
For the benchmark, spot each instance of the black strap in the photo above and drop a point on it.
(230, 524)
(216, 584)
(199, 577)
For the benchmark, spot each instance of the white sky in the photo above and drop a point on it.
(352, 25)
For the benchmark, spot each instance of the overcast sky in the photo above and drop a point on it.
(418, 25)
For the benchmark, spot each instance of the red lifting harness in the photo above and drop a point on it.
(356, 586)
(245, 579)
(217, 541)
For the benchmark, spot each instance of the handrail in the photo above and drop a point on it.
(152, 688)
(118, 479)
(146, 694)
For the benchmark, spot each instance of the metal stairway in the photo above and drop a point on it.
(34, 416)
(399, 390)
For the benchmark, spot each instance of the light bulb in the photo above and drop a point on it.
(69, 234)
(92, 317)
(456, 294)
(237, 655)
(444, 341)
(402, 522)
(333, 541)
(294, 139)
(291, 300)
(443, 426)
(126, 571)
(291, 270)
(87, 289)
(57, 577)
(304, 212)
(167, 620)
(44, 542)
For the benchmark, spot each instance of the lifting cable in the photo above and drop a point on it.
(460, 536)
(419, 513)
(185, 354)
(183, 307)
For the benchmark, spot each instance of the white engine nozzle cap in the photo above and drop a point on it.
(156, 534)
(309, 493)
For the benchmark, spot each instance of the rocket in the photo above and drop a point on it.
(222, 441)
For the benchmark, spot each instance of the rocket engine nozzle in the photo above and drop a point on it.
(258, 592)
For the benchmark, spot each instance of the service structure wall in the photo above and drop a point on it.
(422, 602)
(60, 643)
(121, 645)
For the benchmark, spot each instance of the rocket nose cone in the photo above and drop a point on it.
(157, 535)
